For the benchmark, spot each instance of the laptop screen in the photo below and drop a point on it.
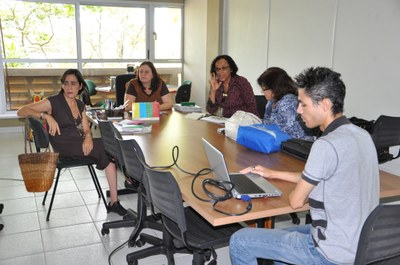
(216, 161)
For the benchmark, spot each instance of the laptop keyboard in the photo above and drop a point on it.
(244, 185)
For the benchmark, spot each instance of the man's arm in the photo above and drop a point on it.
(299, 195)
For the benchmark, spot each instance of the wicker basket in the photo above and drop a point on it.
(38, 170)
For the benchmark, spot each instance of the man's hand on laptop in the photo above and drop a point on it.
(259, 170)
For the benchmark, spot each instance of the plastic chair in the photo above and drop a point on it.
(184, 227)
(41, 140)
(183, 92)
(120, 87)
(386, 134)
(379, 241)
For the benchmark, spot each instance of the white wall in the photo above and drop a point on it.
(247, 39)
(195, 36)
(358, 38)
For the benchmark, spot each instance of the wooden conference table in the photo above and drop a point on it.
(174, 129)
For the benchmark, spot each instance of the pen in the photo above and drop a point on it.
(125, 104)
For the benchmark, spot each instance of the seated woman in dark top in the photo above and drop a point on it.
(229, 92)
(281, 109)
(148, 87)
(69, 130)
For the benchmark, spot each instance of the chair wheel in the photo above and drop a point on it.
(131, 244)
(296, 221)
(133, 263)
(1, 227)
(105, 231)
(140, 243)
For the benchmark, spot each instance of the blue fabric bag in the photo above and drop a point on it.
(261, 137)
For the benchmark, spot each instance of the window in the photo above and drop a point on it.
(167, 33)
(40, 40)
(113, 32)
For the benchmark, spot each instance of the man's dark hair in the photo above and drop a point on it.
(322, 82)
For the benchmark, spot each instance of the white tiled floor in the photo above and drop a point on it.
(73, 234)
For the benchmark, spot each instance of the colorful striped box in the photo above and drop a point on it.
(146, 111)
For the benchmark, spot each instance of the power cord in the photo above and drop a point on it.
(227, 188)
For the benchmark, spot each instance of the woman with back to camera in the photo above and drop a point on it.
(281, 109)
(148, 87)
(69, 130)
(229, 92)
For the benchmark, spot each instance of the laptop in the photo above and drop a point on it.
(252, 185)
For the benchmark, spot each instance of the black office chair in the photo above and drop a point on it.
(380, 237)
(133, 168)
(109, 136)
(41, 140)
(120, 87)
(261, 102)
(386, 134)
(183, 92)
(112, 148)
(184, 226)
(1, 210)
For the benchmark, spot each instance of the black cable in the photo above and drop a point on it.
(11, 179)
(175, 156)
(115, 250)
(214, 198)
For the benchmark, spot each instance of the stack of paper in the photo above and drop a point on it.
(187, 109)
(214, 119)
(132, 127)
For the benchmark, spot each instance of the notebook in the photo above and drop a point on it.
(249, 184)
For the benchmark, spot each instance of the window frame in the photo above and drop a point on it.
(150, 43)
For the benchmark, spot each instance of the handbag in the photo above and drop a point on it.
(261, 137)
(37, 169)
(297, 147)
(239, 118)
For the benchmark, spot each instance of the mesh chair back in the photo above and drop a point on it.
(380, 236)
(386, 131)
(40, 134)
(111, 145)
(130, 150)
(167, 198)
(183, 92)
(385, 134)
(120, 82)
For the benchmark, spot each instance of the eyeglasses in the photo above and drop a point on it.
(224, 68)
(264, 88)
